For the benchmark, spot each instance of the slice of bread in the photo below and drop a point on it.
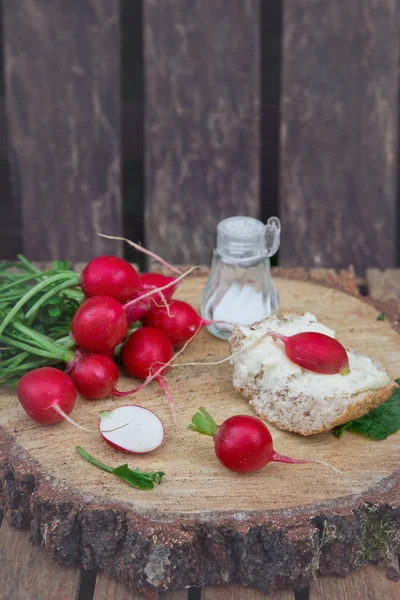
(292, 398)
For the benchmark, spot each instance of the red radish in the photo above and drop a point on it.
(134, 429)
(242, 443)
(110, 353)
(109, 276)
(147, 283)
(144, 353)
(99, 324)
(153, 281)
(95, 375)
(156, 372)
(315, 352)
(178, 320)
(47, 395)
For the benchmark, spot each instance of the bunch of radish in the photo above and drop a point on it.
(116, 296)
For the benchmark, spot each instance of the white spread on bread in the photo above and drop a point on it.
(268, 360)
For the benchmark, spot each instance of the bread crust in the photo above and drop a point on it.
(362, 402)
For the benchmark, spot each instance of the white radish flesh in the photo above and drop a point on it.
(140, 430)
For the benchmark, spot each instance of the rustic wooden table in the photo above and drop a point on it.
(27, 573)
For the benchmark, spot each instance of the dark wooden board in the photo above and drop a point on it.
(62, 77)
(370, 583)
(27, 573)
(109, 588)
(236, 592)
(202, 138)
(339, 132)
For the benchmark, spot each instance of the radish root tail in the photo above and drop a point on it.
(293, 461)
(163, 386)
(227, 358)
(67, 418)
(143, 250)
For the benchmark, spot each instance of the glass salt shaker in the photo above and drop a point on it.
(240, 288)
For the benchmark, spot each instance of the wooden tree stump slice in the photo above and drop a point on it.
(204, 524)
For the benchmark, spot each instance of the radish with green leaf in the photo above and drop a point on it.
(242, 443)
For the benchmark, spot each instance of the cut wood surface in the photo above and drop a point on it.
(27, 573)
(203, 517)
(62, 81)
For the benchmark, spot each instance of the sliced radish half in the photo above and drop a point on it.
(136, 429)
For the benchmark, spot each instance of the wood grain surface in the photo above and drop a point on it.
(202, 124)
(189, 530)
(236, 592)
(27, 573)
(339, 133)
(193, 486)
(108, 588)
(104, 521)
(384, 285)
(62, 77)
(370, 583)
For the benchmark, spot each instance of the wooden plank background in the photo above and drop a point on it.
(62, 76)
(202, 126)
(204, 136)
(339, 133)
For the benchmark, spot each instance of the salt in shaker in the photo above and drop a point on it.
(240, 288)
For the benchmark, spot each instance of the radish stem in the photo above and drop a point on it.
(37, 288)
(28, 348)
(52, 291)
(143, 250)
(21, 280)
(28, 265)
